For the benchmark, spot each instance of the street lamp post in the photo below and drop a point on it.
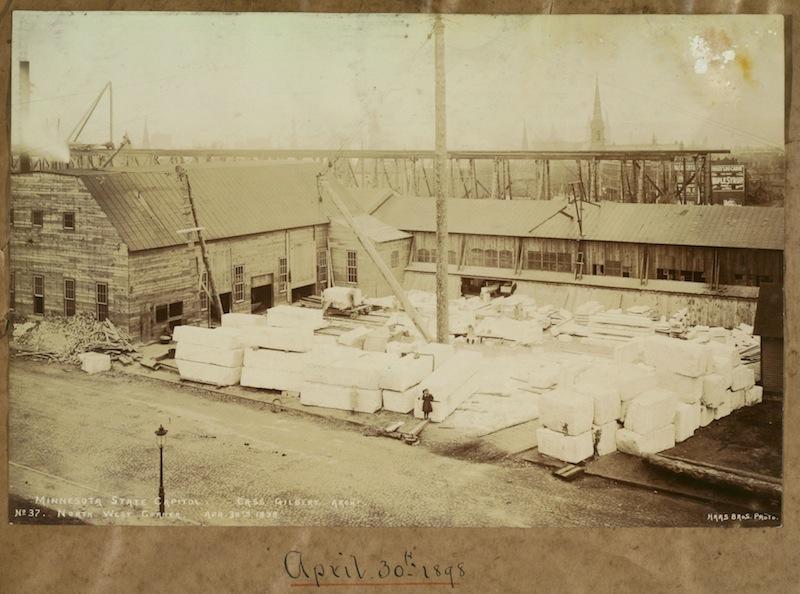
(161, 437)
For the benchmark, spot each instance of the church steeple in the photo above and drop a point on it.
(145, 136)
(597, 127)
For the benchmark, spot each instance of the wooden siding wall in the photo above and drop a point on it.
(748, 263)
(91, 253)
(371, 282)
(167, 275)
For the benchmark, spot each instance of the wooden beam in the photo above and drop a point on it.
(334, 190)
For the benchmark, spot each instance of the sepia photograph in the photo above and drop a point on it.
(396, 270)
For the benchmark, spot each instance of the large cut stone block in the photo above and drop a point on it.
(688, 389)
(403, 373)
(206, 337)
(742, 378)
(207, 354)
(402, 402)
(633, 380)
(606, 401)
(642, 444)
(679, 356)
(93, 363)
(567, 448)
(605, 438)
(566, 411)
(753, 395)
(650, 411)
(687, 419)
(206, 373)
(272, 379)
(243, 320)
(713, 390)
(340, 397)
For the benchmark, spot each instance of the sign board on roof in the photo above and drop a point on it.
(725, 177)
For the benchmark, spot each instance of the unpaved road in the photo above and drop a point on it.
(88, 442)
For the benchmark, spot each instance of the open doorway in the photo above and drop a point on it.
(260, 298)
(305, 291)
(225, 300)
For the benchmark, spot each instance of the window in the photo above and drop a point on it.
(490, 258)
(69, 221)
(171, 314)
(204, 291)
(322, 268)
(395, 259)
(626, 271)
(12, 299)
(564, 262)
(549, 261)
(283, 275)
(613, 268)
(433, 255)
(69, 296)
(451, 257)
(505, 259)
(423, 255)
(352, 266)
(37, 218)
(476, 257)
(533, 260)
(238, 283)
(38, 294)
(102, 301)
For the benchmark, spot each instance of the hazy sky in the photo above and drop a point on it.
(344, 79)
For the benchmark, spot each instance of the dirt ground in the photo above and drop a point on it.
(84, 445)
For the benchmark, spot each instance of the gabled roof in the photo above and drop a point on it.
(754, 227)
(146, 207)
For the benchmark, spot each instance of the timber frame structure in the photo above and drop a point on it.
(640, 171)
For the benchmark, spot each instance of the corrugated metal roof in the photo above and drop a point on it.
(665, 224)
(146, 207)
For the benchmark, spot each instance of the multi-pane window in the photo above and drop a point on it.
(38, 294)
(69, 221)
(102, 301)
(283, 275)
(564, 262)
(549, 261)
(352, 266)
(423, 255)
(451, 257)
(476, 257)
(505, 259)
(533, 260)
(37, 218)
(12, 299)
(204, 291)
(490, 258)
(395, 259)
(238, 283)
(322, 268)
(171, 314)
(69, 296)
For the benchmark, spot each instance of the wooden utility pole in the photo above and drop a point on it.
(186, 188)
(442, 247)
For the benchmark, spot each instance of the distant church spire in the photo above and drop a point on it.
(597, 127)
(145, 136)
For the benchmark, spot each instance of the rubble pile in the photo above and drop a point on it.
(63, 339)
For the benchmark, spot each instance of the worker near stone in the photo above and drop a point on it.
(427, 403)
(471, 334)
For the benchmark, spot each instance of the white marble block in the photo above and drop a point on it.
(650, 411)
(206, 373)
(706, 415)
(639, 444)
(243, 320)
(606, 399)
(634, 379)
(206, 337)
(713, 389)
(566, 411)
(93, 363)
(725, 407)
(688, 389)
(341, 397)
(403, 373)
(687, 419)
(272, 379)
(742, 378)
(753, 395)
(209, 354)
(567, 448)
(402, 402)
(605, 438)
(737, 399)
(679, 356)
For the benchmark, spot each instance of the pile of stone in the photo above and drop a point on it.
(450, 385)
(398, 381)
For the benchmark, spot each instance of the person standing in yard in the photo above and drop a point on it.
(427, 403)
